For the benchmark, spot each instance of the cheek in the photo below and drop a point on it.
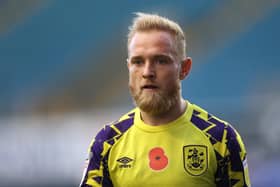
(134, 74)
(170, 77)
(132, 78)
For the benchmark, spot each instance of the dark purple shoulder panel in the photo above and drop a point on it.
(98, 156)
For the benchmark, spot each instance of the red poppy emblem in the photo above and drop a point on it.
(158, 160)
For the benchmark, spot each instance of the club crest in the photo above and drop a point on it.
(195, 159)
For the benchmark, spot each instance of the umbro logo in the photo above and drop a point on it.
(125, 162)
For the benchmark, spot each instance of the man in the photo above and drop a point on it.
(165, 140)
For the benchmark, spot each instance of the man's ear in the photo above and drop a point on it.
(127, 63)
(185, 68)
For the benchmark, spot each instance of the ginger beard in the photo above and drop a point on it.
(158, 102)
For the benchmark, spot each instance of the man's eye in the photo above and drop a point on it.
(137, 62)
(162, 61)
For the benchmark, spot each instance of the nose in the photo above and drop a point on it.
(149, 71)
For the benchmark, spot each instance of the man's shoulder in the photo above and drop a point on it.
(218, 131)
(207, 117)
(124, 122)
(116, 128)
(211, 125)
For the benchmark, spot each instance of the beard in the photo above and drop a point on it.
(158, 102)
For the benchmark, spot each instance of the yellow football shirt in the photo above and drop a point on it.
(197, 149)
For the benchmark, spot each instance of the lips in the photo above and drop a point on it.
(149, 86)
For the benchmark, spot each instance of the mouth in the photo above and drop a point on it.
(149, 87)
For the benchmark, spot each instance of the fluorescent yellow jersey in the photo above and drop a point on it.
(197, 149)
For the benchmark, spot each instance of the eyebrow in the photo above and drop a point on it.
(162, 56)
(153, 57)
(135, 57)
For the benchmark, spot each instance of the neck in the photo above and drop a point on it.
(164, 118)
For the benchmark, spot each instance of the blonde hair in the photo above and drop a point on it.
(146, 22)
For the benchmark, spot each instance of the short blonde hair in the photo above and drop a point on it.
(146, 22)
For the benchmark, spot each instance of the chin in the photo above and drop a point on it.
(155, 103)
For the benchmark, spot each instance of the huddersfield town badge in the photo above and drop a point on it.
(195, 159)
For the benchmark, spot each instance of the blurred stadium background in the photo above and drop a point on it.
(63, 76)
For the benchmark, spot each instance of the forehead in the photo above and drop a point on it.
(149, 42)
